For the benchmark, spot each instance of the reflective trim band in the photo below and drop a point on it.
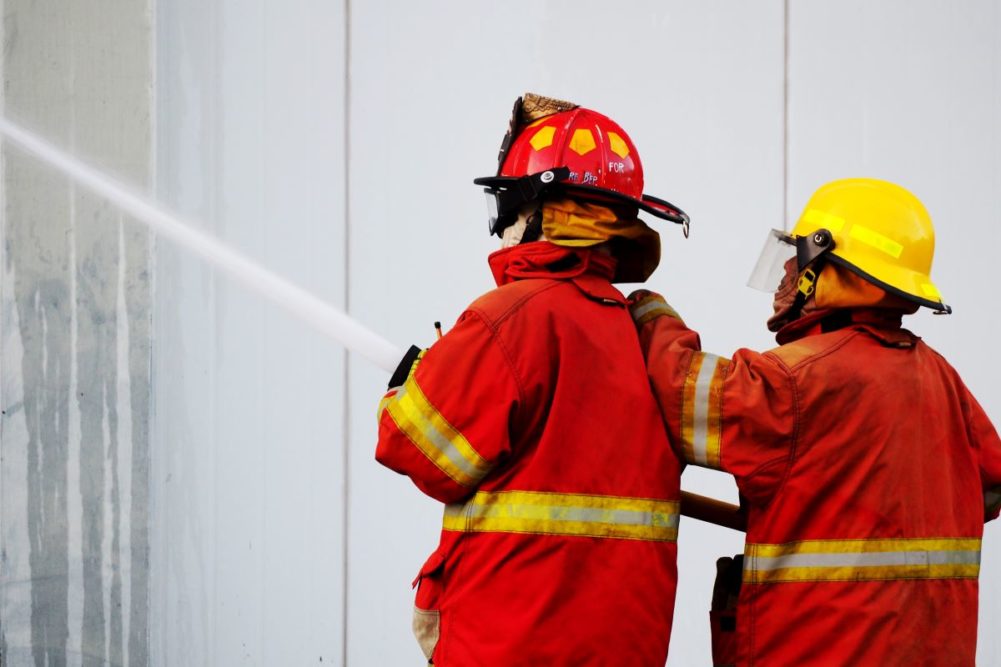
(651, 307)
(992, 501)
(873, 238)
(384, 403)
(565, 514)
(862, 560)
(931, 290)
(438, 440)
(833, 223)
(702, 410)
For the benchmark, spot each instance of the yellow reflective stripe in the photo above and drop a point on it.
(866, 573)
(714, 416)
(833, 223)
(435, 437)
(702, 410)
(862, 560)
(651, 307)
(873, 238)
(688, 407)
(931, 290)
(565, 514)
(864, 546)
(383, 404)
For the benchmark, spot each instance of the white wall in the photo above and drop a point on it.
(271, 518)
(248, 470)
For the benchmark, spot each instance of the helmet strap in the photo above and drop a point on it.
(533, 228)
(810, 261)
(806, 286)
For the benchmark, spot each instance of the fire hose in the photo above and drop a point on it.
(298, 302)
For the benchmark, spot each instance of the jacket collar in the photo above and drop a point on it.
(589, 270)
(881, 323)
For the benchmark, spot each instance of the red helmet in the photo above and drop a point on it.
(555, 146)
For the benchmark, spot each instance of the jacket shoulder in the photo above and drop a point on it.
(498, 304)
(809, 348)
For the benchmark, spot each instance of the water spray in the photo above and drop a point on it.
(298, 302)
(302, 304)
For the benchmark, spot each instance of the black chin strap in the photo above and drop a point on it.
(806, 287)
(533, 227)
(810, 251)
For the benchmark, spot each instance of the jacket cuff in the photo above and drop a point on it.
(402, 371)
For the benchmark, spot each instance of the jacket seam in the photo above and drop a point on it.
(814, 357)
(508, 357)
(791, 459)
(794, 444)
(494, 323)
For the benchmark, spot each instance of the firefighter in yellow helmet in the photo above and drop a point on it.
(876, 236)
(866, 467)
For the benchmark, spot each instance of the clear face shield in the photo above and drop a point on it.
(770, 269)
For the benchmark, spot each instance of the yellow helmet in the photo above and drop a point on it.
(877, 230)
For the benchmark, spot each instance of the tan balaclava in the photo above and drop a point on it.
(575, 223)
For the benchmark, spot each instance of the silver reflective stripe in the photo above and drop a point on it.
(700, 417)
(438, 439)
(565, 513)
(549, 513)
(870, 559)
(653, 305)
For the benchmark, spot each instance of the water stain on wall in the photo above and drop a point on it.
(74, 554)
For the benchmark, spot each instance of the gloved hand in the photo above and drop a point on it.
(645, 306)
(406, 367)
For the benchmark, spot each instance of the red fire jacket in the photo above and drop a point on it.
(868, 469)
(533, 419)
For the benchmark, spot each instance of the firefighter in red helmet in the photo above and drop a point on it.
(533, 420)
(866, 467)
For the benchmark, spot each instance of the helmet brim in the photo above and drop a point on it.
(656, 207)
(937, 306)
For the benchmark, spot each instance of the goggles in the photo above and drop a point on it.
(505, 199)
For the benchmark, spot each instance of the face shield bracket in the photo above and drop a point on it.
(505, 202)
(781, 248)
(810, 248)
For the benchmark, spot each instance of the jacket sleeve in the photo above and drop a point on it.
(736, 415)
(446, 426)
(985, 440)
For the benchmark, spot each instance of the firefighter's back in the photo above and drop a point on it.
(869, 552)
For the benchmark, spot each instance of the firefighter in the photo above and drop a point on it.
(866, 466)
(533, 420)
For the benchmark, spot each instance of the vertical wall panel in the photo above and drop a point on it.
(248, 479)
(76, 347)
(699, 88)
(911, 92)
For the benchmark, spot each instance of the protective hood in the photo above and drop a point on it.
(837, 288)
(578, 224)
